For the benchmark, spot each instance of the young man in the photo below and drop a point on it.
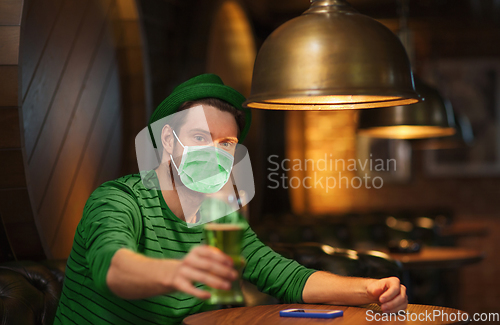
(134, 259)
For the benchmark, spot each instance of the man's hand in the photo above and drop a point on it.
(327, 288)
(134, 276)
(389, 293)
(203, 264)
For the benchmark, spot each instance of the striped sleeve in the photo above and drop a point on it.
(272, 273)
(111, 220)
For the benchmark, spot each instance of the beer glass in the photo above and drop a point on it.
(228, 238)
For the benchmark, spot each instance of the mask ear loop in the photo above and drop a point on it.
(154, 144)
(177, 138)
(171, 158)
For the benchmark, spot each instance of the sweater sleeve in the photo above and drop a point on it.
(272, 273)
(111, 220)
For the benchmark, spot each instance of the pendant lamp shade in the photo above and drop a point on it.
(462, 138)
(433, 117)
(331, 58)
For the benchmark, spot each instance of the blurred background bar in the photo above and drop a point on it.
(79, 80)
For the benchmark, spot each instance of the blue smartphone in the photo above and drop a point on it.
(311, 313)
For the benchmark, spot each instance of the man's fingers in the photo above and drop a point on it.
(393, 288)
(212, 253)
(188, 288)
(399, 302)
(395, 305)
(209, 279)
(214, 267)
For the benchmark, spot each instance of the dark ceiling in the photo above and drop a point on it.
(272, 13)
(458, 27)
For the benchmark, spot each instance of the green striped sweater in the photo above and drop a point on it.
(124, 213)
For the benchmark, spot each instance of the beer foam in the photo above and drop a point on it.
(223, 226)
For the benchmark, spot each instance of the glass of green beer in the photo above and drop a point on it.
(228, 238)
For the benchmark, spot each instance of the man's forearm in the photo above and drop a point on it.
(327, 288)
(134, 276)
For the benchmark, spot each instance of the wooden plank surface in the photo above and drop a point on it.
(37, 28)
(47, 79)
(65, 167)
(8, 85)
(10, 132)
(269, 314)
(20, 227)
(67, 55)
(129, 34)
(12, 173)
(79, 73)
(88, 168)
(6, 253)
(127, 9)
(15, 205)
(131, 61)
(9, 44)
(10, 12)
(25, 241)
(107, 168)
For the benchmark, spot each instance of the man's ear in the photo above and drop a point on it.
(167, 139)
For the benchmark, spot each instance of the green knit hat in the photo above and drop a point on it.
(202, 86)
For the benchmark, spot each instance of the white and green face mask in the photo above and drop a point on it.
(204, 169)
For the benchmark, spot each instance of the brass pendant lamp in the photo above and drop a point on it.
(331, 58)
(462, 138)
(430, 118)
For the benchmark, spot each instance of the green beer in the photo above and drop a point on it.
(228, 238)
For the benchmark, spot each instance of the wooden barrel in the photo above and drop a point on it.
(68, 68)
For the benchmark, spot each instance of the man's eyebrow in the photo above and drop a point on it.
(209, 133)
(230, 138)
(200, 130)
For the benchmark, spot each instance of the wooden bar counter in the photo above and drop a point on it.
(364, 315)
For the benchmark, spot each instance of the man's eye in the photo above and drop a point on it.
(199, 138)
(227, 145)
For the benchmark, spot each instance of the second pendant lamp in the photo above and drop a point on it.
(430, 118)
(331, 58)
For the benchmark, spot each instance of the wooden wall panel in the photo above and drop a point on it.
(17, 217)
(132, 79)
(18, 225)
(72, 85)
(10, 12)
(63, 68)
(37, 25)
(8, 85)
(15, 206)
(127, 10)
(55, 147)
(64, 168)
(61, 173)
(10, 128)
(74, 128)
(9, 44)
(107, 169)
(26, 240)
(88, 169)
(12, 173)
(46, 80)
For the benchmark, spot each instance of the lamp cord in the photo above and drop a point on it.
(404, 30)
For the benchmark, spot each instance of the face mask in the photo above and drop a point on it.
(204, 169)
